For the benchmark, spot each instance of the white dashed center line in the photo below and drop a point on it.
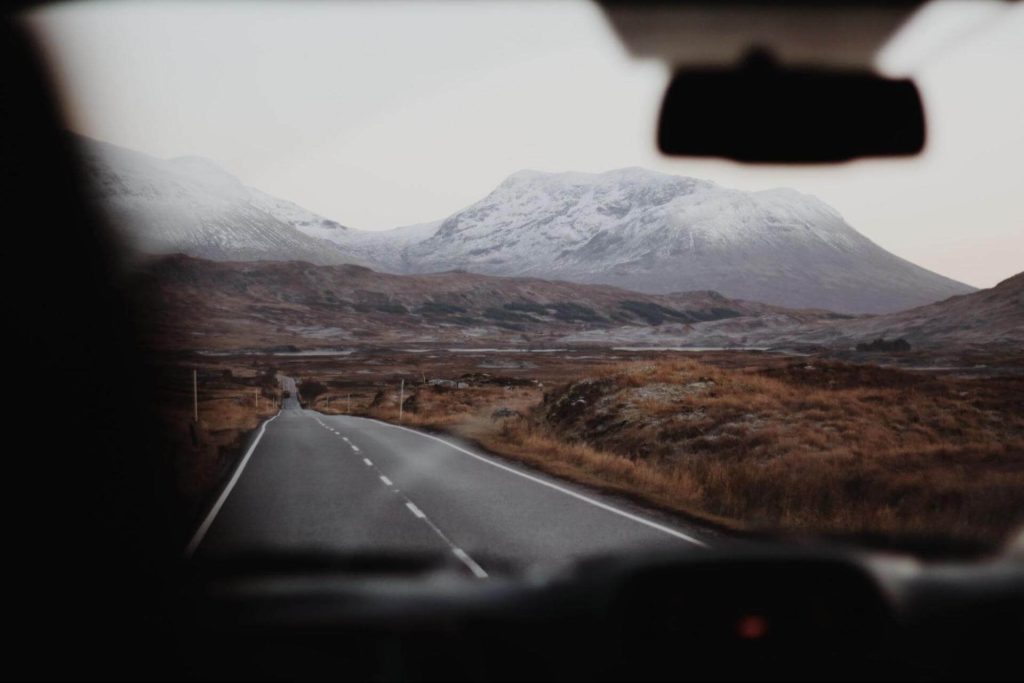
(477, 570)
(461, 554)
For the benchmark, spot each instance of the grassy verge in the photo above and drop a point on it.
(205, 451)
(806, 447)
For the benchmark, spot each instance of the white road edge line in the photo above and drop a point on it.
(205, 526)
(386, 480)
(556, 487)
(477, 570)
(368, 463)
(415, 510)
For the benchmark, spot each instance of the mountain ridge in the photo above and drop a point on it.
(208, 304)
(191, 205)
(217, 304)
(992, 318)
(631, 228)
(656, 233)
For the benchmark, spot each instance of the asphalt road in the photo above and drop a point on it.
(341, 485)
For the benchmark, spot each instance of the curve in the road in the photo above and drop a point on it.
(347, 485)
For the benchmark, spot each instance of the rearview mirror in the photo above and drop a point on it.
(761, 112)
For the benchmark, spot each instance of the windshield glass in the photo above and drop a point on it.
(416, 279)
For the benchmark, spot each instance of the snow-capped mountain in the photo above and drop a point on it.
(658, 233)
(189, 205)
(632, 228)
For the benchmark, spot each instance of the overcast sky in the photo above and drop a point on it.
(386, 114)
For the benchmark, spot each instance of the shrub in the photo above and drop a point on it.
(653, 314)
(570, 312)
(310, 389)
(881, 345)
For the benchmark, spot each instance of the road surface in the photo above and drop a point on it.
(344, 485)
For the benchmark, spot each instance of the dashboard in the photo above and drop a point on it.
(744, 612)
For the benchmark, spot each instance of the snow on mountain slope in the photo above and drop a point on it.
(632, 228)
(189, 205)
(657, 233)
(384, 248)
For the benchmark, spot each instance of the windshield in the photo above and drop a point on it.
(415, 278)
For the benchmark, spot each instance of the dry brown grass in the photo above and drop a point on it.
(441, 408)
(204, 452)
(744, 439)
(810, 446)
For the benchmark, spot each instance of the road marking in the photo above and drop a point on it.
(477, 570)
(556, 487)
(205, 526)
(463, 556)
(354, 447)
(345, 439)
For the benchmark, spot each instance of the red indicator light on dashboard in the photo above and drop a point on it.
(751, 627)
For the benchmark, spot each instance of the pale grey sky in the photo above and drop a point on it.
(386, 114)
